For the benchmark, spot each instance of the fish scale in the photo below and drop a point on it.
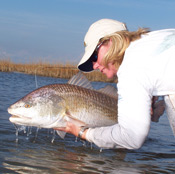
(53, 105)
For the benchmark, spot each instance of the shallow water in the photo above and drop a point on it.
(33, 154)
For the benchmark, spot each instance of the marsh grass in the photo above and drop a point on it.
(50, 70)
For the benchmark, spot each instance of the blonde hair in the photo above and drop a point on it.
(120, 42)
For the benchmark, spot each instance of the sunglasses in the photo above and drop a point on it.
(94, 57)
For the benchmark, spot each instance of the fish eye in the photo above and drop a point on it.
(27, 106)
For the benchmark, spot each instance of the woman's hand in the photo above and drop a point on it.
(72, 129)
(158, 108)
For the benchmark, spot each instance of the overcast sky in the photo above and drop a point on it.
(53, 30)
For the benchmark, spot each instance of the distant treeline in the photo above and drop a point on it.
(50, 70)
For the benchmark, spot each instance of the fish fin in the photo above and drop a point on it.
(80, 80)
(109, 90)
(74, 120)
(170, 109)
(61, 133)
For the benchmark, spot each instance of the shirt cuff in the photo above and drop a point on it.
(89, 134)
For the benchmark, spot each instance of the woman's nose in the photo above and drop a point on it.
(95, 65)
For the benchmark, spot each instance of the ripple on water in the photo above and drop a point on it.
(41, 155)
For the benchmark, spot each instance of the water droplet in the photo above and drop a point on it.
(29, 130)
(36, 134)
(16, 135)
(53, 137)
(84, 143)
(91, 145)
(16, 132)
(48, 132)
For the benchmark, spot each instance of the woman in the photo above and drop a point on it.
(144, 64)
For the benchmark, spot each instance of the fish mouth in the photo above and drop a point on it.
(17, 116)
(16, 119)
(14, 116)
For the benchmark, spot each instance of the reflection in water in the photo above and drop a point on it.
(39, 155)
(67, 160)
(68, 156)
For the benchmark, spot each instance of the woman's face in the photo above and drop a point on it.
(111, 71)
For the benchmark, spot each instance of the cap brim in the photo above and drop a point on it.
(85, 63)
(87, 66)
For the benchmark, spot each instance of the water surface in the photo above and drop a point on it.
(33, 154)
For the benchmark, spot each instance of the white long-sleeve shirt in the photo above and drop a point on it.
(148, 69)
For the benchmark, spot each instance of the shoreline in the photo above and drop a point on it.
(65, 71)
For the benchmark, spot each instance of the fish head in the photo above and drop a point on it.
(41, 108)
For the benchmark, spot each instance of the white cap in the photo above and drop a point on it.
(97, 31)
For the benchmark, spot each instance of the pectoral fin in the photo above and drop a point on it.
(61, 134)
(74, 120)
(67, 117)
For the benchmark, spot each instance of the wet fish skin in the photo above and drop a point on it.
(53, 105)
